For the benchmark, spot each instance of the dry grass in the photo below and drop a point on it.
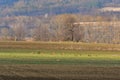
(59, 45)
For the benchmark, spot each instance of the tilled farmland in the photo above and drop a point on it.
(58, 72)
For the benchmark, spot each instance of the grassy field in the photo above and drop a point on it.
(59, 61)
(61, 57)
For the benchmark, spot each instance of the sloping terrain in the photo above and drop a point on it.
(41, 7)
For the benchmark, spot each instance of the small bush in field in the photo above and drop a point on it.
(89, 55)
(38, 52)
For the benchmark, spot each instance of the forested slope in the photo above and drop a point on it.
(41, 7)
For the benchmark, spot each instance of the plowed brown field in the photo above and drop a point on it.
(58, 72)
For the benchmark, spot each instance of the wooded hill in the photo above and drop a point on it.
(41, 7)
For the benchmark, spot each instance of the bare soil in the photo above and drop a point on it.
(58, 72)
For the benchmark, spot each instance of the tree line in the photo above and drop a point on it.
(60, 28)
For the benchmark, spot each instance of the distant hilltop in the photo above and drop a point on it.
(110, 9)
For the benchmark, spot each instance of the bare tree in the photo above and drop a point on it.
(37, 33)
(65, 26)
(5, 33)
(18, 30)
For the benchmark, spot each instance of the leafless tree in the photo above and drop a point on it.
(5, 33)
(65, 26)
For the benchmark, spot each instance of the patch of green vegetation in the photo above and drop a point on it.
(61, 57)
